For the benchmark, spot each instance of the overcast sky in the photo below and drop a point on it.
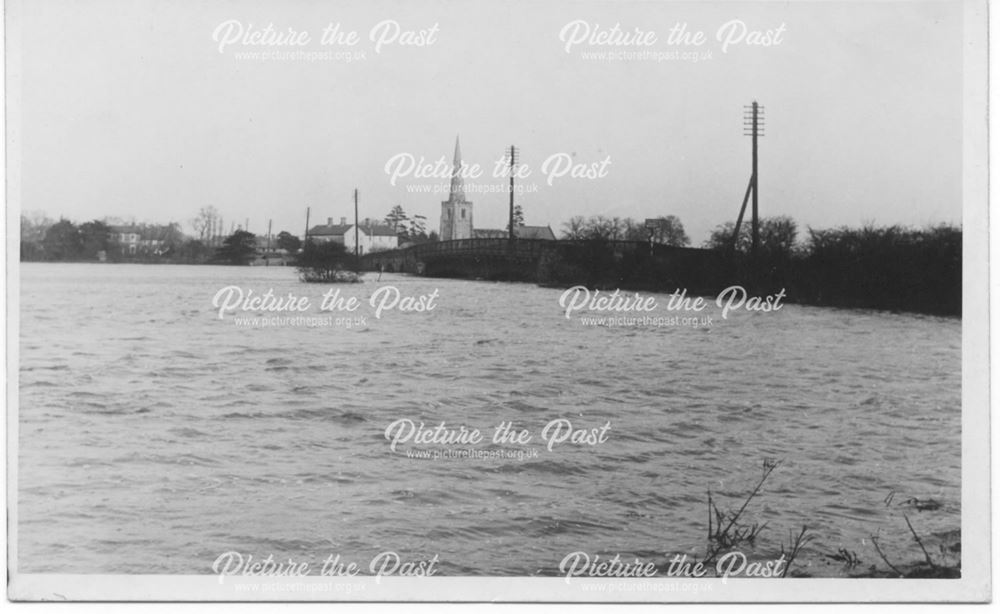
(129, 109)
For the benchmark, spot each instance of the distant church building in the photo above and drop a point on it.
(456, 212)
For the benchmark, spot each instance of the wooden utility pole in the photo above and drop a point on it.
(267, 248)
(753, 126)
(305, 237)
(510, 225)
(357, 253)
(755, 241)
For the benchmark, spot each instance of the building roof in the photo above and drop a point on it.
(339, 230)
(328, 230)
(535, 232)
(379, 230)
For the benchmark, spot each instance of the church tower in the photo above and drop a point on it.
(456, 212)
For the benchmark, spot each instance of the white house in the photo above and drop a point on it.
(372, 238)
(132, 240)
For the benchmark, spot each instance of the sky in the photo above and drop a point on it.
(131, 110)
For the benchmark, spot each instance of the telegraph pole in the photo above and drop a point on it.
(753, 126)
(305, 237)
(755, 131)
(510, 224)
(357, 253)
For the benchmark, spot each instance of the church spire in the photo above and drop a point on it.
(457, 185)
(456, 212)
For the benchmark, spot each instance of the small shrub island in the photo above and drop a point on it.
(325, 263)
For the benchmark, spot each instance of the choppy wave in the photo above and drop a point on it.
(154, 436)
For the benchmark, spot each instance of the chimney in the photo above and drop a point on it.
(329, 221)
(343, 221)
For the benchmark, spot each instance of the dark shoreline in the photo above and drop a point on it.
(847, 303)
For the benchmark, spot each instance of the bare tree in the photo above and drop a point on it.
(205, 223)
(669, 231)
(575, 228)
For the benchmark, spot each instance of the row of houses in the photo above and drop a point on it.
(135, 240)
(144, 241)
(370, 237)
(381, 237)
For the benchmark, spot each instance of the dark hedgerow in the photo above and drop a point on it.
(891, 267)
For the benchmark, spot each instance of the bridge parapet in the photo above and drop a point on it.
(526, 247)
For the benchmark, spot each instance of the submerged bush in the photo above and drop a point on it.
(325, 263)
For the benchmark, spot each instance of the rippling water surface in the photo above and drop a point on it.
(154, 436)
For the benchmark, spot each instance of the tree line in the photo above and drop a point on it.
(44, 239)
(664, 230)
(890, 267)
(877, 267)
(47, 240)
